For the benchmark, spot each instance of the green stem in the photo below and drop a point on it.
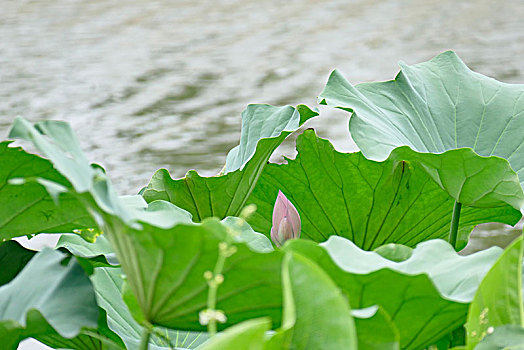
(453, 231)
(144, 341)
(212, 295)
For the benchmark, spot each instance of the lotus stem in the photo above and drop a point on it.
(144, 341)
(211, 316)
(454, 224)
(212, 296)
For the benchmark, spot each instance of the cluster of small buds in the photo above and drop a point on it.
(213, 281)
(225, 250)
(208, 315)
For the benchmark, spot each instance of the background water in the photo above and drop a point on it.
(151, 84)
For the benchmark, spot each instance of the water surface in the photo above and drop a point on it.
(151, 84)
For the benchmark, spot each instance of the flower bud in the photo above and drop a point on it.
(286, 221)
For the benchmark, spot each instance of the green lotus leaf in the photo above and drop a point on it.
(47, 298)
(498, 300)
(65, 154)
(28, 208)
(165, 269)
(426, 295)
(90, 185)
(108, 284)
(438, 106)
(371, 203)
(264, 128)
(470, 179)
(162, 253)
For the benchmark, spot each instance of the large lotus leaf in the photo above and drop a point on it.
(28, 208)
(165, 269)
(434, 107)
(264, 128)
(498, 300)
(108, 284)
(469, 178)
(61, 147)
(371, 203)
(426, 295)
(47, 297)
(164, 263)
(322, 316)
(89, 184)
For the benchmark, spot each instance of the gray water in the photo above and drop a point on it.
(151, 84)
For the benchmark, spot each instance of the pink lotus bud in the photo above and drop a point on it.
(286, 221)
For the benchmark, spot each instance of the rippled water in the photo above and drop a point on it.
(150, 84)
